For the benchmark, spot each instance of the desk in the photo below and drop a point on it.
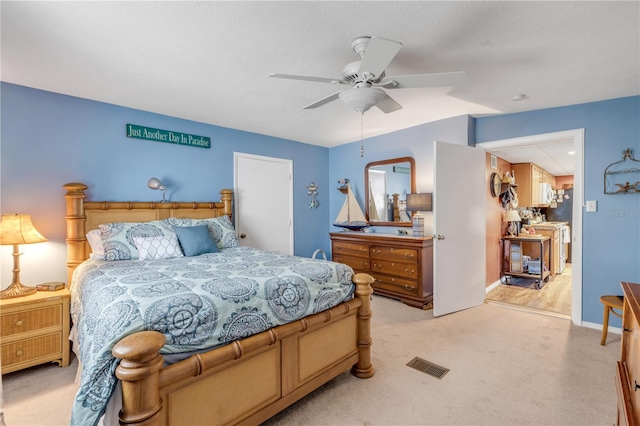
(513, 267)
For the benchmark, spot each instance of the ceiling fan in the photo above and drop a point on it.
(367, 75)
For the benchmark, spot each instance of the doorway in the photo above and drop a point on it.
(577, 137)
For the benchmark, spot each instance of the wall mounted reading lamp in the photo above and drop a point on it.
(156, 184)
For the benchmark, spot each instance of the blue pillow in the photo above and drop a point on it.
(195, 240)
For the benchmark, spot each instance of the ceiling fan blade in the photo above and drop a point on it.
(308, 78)
(323, 101)
(379, 53)
(424, 80)
(387, 104)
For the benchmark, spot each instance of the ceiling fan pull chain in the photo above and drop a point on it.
(361, 135)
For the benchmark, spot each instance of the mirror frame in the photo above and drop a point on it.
(412, 165)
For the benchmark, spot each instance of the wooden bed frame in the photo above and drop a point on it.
(244, 382)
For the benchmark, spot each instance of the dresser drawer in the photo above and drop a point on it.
(396, 285)
(350, 249)
(394, 253)
(359, 264)
(400, 269)
(30, 320)
(49, 345)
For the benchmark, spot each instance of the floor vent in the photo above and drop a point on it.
(428, 367)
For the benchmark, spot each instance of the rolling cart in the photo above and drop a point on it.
(513, 266)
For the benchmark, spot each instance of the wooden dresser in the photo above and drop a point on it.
(401, 266)
(34, 329)
(628, 368)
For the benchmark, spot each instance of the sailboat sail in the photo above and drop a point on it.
(351, 216)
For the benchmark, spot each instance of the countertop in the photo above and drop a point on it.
(548, 225)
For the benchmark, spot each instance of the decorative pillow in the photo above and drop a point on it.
(195, 240)
(220, 228)
(222, 231)
(117, 237)
(163, 247)
(95, 242)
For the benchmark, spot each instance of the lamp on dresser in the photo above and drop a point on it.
(16, 229)
(420, 202)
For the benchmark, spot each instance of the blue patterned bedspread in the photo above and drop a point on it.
(196, 302)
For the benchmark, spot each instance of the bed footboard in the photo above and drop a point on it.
(250, 380)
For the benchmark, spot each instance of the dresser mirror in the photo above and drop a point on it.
(386, 185)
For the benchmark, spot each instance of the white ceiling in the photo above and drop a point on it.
(556, 157)
(208, 61)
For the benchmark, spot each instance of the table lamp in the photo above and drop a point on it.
(512, 217)
(421, 202)
(16, 229)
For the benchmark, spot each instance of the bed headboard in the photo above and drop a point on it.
(83, 216)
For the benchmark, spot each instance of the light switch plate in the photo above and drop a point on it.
(592, 206)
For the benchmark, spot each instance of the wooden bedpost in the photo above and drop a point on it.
(139, 372)
(227, 199)
(75, 218)
(363, 369)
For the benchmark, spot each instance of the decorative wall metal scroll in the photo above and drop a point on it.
(623, 176)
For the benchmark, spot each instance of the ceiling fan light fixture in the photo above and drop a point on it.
(362, 98)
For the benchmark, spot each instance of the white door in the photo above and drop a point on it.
(459, 228)
(263, 202)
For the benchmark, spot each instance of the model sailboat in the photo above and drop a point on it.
(351, 216)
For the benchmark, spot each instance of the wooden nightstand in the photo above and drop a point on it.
(35, 329)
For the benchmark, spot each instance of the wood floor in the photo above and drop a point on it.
(554, 297)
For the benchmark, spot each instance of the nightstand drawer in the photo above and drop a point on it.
(49, 345)
(31, 320)
(393, 253)
(359, 264)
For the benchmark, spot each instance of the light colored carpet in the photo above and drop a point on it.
(507, 367)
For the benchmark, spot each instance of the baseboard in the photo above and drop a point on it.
(595, 326)
(492, 286)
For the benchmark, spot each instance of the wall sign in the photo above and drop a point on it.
(158, 135)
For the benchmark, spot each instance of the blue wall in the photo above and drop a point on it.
(611, 236)
(50, 139)
(416, 142)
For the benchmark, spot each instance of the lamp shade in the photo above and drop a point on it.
(18, 229)
(511, 216)
(419, 202)
(155, 183)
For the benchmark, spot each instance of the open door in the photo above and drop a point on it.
(459, 228)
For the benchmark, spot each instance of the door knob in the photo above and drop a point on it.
(243, 235)
(440, 237)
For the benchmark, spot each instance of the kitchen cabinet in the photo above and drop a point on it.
(628, 368)
(554, 234)
(528, 178)
(401, 266)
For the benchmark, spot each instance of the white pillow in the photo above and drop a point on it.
(95, 241)
(162, 247)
